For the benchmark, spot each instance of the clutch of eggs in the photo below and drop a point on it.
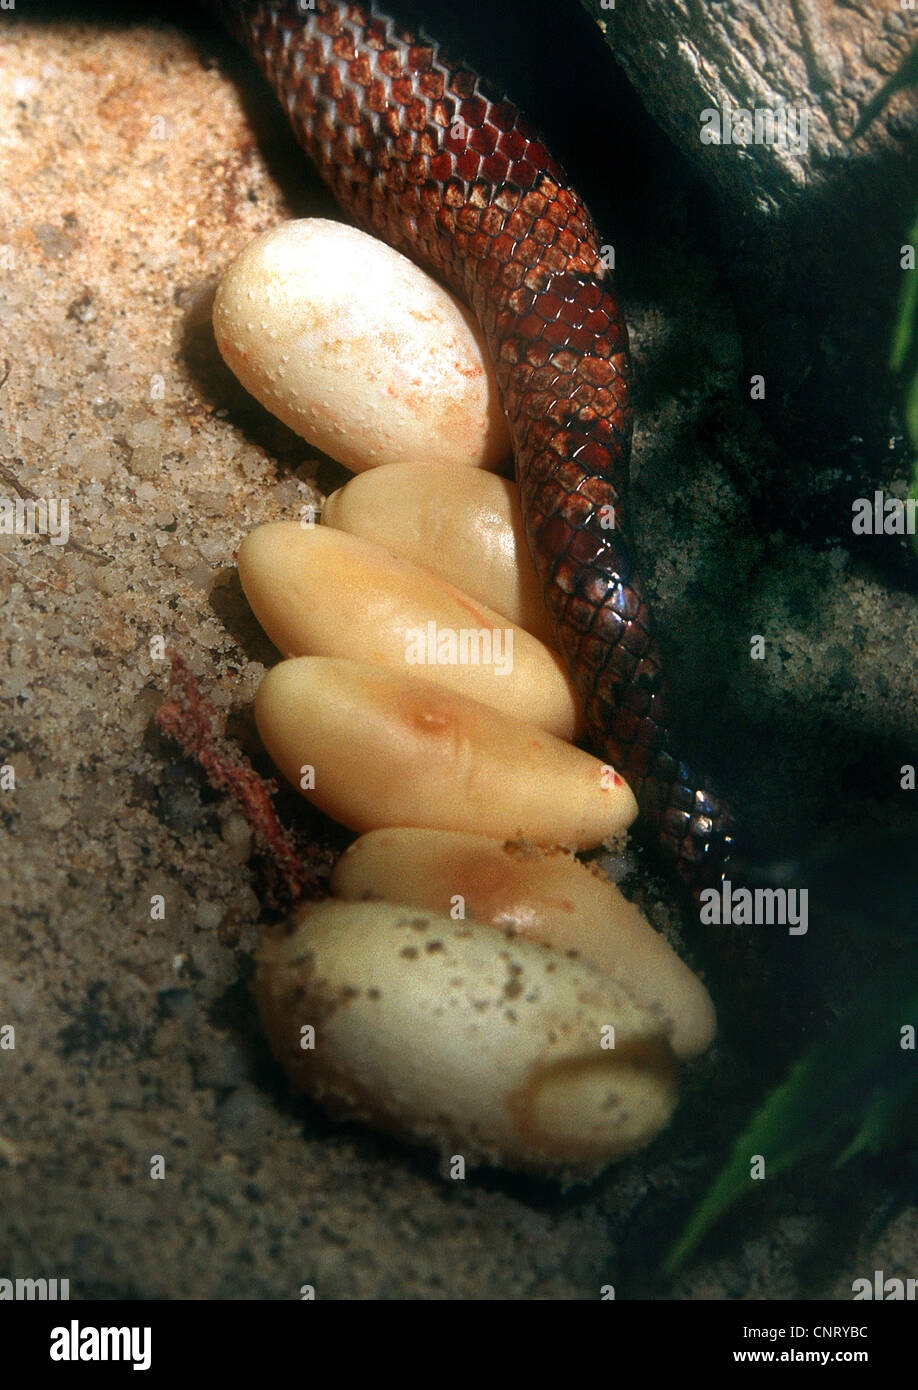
(469, 984)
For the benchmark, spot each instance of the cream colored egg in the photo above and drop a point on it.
(320, 592)
(547, 896)
(486, 1047)
(357, 350)
(374, 748)
(462, 523)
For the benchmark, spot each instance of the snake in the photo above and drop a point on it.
(435, 160)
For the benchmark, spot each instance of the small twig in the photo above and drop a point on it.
(27, 494)
(906, 75)
(16, 485)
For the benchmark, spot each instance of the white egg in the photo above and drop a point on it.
(358, 350)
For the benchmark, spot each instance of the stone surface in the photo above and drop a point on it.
(814, 218)
(818, 59)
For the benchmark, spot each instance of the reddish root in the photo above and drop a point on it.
(189, 718)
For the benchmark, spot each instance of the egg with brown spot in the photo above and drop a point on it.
(544, 895)
(534, 1087)
(390, 749)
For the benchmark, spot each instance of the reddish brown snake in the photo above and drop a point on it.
(436, 162)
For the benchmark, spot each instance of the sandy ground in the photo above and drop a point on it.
(136, 161)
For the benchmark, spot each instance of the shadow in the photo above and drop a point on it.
(230, 605)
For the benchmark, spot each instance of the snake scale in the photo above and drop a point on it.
(435, 161)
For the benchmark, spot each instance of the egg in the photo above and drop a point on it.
(374, 748)
(487, 1047)
(546, 896)
(358, 350)
(320, 592)
(462, 523)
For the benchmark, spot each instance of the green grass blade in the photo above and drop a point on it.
(858, 1077)
(907, 313)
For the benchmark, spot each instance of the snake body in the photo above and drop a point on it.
(431, 158)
